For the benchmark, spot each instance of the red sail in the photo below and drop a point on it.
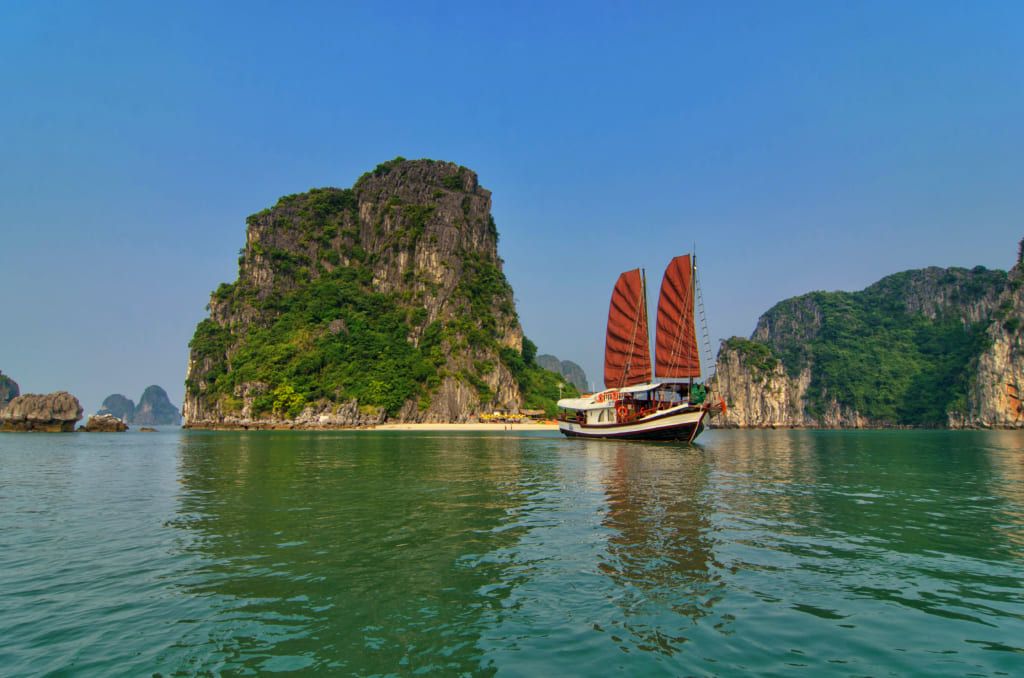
(675, 343)
(627, 353)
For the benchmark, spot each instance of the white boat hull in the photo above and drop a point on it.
(682, 423)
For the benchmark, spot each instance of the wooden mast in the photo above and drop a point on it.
(693, 299)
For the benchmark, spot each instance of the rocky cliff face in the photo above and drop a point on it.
(766, 396)
(933, 347)
(8, 389)
(572, 372)
(53, 412)
(155, 409)
(383, 301)
(119, 406)
(994, 395)
(757, 395)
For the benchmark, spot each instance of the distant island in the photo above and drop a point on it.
(381, 302)
(154, 408)
(117, 405)
(572, 372)
(924, 348)
(8, 389)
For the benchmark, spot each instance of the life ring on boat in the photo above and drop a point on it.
(622, 411)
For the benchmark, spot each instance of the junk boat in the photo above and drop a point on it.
(634, 406)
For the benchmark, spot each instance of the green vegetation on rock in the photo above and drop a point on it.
(900, 352)
(890, 365)
(390, 294)
(540, 387)
(758, 357)
(371, 361)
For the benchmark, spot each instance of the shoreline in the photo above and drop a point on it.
(469, 426)
(534, 426)
(472, 426)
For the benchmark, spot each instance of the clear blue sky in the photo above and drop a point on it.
(799, 145)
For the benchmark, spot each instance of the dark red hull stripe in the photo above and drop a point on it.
(681, 432)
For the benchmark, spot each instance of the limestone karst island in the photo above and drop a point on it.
(59, 412)
(154, 408)
(381, 302)
(926, 348)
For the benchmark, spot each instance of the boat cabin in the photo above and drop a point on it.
(617, 406)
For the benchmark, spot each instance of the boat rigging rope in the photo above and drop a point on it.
(705, 333)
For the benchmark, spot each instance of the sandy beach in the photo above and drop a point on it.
(474, 426)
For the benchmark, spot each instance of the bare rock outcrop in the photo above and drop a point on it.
(757, 396)
(103, 423)
(52, 412)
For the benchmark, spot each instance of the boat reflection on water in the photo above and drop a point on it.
(660, 554)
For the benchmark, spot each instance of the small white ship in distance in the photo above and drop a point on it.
(634, 406)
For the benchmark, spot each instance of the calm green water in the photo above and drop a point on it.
(356, 553)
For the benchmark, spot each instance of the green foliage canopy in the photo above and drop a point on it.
(323, 333)
(870, 353)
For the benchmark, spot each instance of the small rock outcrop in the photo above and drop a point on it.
(572, 372)
(103, 423)
(155, 409)
(118, 406)
(8, 389)
(52, 412)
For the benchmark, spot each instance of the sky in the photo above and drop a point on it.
(797, 146)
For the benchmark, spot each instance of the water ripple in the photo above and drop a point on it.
(839, 553)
